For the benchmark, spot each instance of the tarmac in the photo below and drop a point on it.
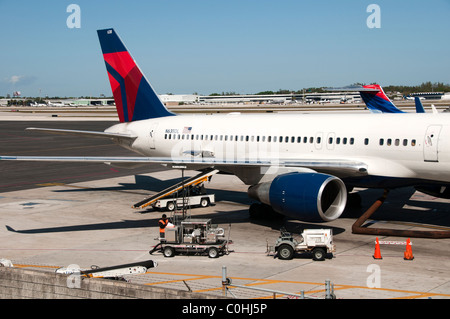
(61, 217)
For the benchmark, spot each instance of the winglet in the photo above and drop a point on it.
(134, 96)
(419, 106)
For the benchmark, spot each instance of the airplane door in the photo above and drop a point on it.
(152, 135)
(430, 145)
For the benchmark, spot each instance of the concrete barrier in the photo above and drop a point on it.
(17, 283)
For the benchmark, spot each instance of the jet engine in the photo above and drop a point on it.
(312, 197)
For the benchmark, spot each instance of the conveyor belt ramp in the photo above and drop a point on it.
(191, 181)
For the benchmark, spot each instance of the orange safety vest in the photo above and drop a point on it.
(162, 225)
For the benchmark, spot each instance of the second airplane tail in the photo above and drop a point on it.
(375, 99)
(135, 98)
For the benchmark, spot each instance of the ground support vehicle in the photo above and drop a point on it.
(193, 235)
(319, 242)
(191, 186)
(171, 204)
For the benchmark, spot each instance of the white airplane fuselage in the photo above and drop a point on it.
(398, 147)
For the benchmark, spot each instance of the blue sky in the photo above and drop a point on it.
(207, 46)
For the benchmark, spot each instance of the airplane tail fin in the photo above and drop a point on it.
(376, 99)
(135, 98)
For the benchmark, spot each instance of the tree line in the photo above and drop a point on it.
(403, 89)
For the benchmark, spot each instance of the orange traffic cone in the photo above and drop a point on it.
(408, 255)
(377, 254)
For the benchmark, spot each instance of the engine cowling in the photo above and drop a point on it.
(312, 197)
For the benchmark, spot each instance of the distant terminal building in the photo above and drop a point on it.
(89, 102)
(331, 97)
(429, 95)
(177, 99)
(245, 99)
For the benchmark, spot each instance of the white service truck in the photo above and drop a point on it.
(319, 242)
(171, 204)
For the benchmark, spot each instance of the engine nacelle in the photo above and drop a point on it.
(312, 197)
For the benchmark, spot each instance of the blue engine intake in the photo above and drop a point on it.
(312, 197)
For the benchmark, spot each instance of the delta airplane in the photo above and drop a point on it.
(302, 165)
(377, 101)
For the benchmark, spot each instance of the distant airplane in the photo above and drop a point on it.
(373, 96)
(376, 100)
(301, 165)
(37, 104)
(55, 103)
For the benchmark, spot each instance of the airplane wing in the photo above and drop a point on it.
(338, 167)
(83, 133)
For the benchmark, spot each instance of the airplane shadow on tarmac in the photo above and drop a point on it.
(394, 209)
(400, 207)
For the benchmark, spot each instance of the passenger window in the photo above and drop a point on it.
(381, 141)
(352, 141)
(397, 142)
(366, 141)
(330, 140)
(405, 142)
(413, 142)
(338, 140)
(389, 142)
(344, 141)
(299, 139)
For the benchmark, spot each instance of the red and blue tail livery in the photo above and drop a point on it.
(373, 96)
(375, 99)
(135, 98)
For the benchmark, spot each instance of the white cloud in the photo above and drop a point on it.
(14, 79)
(22, 79)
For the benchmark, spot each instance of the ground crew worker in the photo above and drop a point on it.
(162, 226)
